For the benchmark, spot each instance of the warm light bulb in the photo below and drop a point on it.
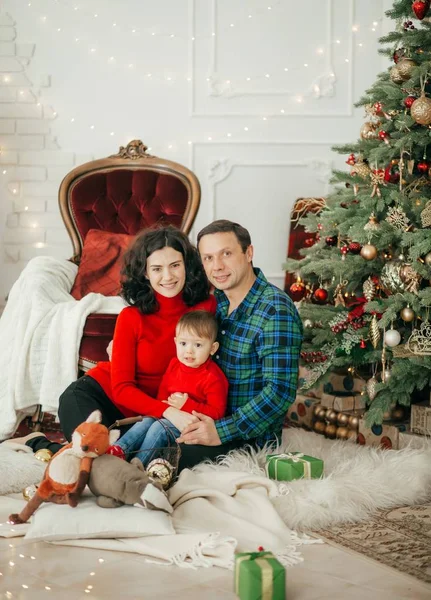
(319, 50)
(305, 64)
(112, 133)
(355, 28)
(360, 45)
(346, 60)
(337, 42)
(229, 135)
(210, 139)
(245, 128)
(91, 126)
(232, 25)
(267, 75)
(282, 111)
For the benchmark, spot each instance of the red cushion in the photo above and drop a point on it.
(101, 262)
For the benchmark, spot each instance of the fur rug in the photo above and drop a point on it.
(358, 480)
(18, 468)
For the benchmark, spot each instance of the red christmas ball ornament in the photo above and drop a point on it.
(308, 242)
(378, 108)
(344, 250)
(355, 247)
(384, 136)
(260, 548)
(409, 101)
(320, 296)
(420, 8)
(351, 160)
(331, 240)
(319, 226)
(423, 167)
(392, 173)
(297, 291)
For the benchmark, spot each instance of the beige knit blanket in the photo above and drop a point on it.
(214, 516)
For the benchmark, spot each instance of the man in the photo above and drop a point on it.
(260, 335)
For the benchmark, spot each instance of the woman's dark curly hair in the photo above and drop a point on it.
(136, 288)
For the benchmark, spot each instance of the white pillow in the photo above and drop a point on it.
(87, 520)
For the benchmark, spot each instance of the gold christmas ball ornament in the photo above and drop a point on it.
(43, 455)
(398, 413)
(395, 75)
(407, 314)
(161, 470)
(405, 68)
(331, 431)
(369, 131)
(29, 491)
(319, 427)
(427, 259)
(361, 169)
(354, 422)
(331, 416)
(342, 433)
(369, 252)
(421, 110)
(342, 419)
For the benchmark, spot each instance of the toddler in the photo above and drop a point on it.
(192, 382)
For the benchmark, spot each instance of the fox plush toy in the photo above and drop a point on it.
(68, 471)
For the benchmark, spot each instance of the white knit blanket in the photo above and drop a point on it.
(40, 333)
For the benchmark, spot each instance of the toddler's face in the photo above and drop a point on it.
(193, 350)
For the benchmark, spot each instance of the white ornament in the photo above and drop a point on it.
(392, 338)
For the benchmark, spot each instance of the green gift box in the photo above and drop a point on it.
(259, 576)
(293, 465)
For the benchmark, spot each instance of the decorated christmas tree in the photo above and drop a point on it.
(363, 286)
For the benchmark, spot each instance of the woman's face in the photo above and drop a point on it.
(166, 271)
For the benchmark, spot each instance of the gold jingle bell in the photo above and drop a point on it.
(161, 470)
(331, 431)
(43, 454)
(319, 427)
(331, 416)
(354, 422)
(342, 433)
(29, 491)
(342, 419)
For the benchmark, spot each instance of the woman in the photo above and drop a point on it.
(163, 279)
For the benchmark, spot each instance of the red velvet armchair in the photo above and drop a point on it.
(121, 194)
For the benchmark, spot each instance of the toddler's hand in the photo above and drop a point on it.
(177, 400)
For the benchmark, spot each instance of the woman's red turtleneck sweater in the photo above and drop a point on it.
(142, 350)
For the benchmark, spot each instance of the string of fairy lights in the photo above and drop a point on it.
(14, 564)
(93, 49)
(82, 11)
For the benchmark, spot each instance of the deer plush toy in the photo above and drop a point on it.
(68, 471)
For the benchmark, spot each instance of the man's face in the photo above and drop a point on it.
(225, 264)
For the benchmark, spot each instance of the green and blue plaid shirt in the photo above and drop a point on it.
(260, 342)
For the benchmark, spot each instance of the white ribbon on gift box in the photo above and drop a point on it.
(299, 457)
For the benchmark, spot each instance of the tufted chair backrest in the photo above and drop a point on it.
(125, 193)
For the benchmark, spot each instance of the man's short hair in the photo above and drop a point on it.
(200, 322)
(225, 226)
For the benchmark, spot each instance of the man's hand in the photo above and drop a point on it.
(177, 400)
(202, 432)
(181, 420)
(109, 350)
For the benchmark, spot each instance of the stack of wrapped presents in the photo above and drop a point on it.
(336, 409)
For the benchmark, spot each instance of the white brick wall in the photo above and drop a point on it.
(31, 165)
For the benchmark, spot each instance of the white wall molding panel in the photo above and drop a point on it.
(250, 95)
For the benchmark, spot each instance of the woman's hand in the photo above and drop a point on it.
(177, 400)
(178, 418)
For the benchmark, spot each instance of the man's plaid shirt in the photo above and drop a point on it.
(260, 342)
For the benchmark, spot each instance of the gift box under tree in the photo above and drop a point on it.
(259, 576)
(293, 465)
